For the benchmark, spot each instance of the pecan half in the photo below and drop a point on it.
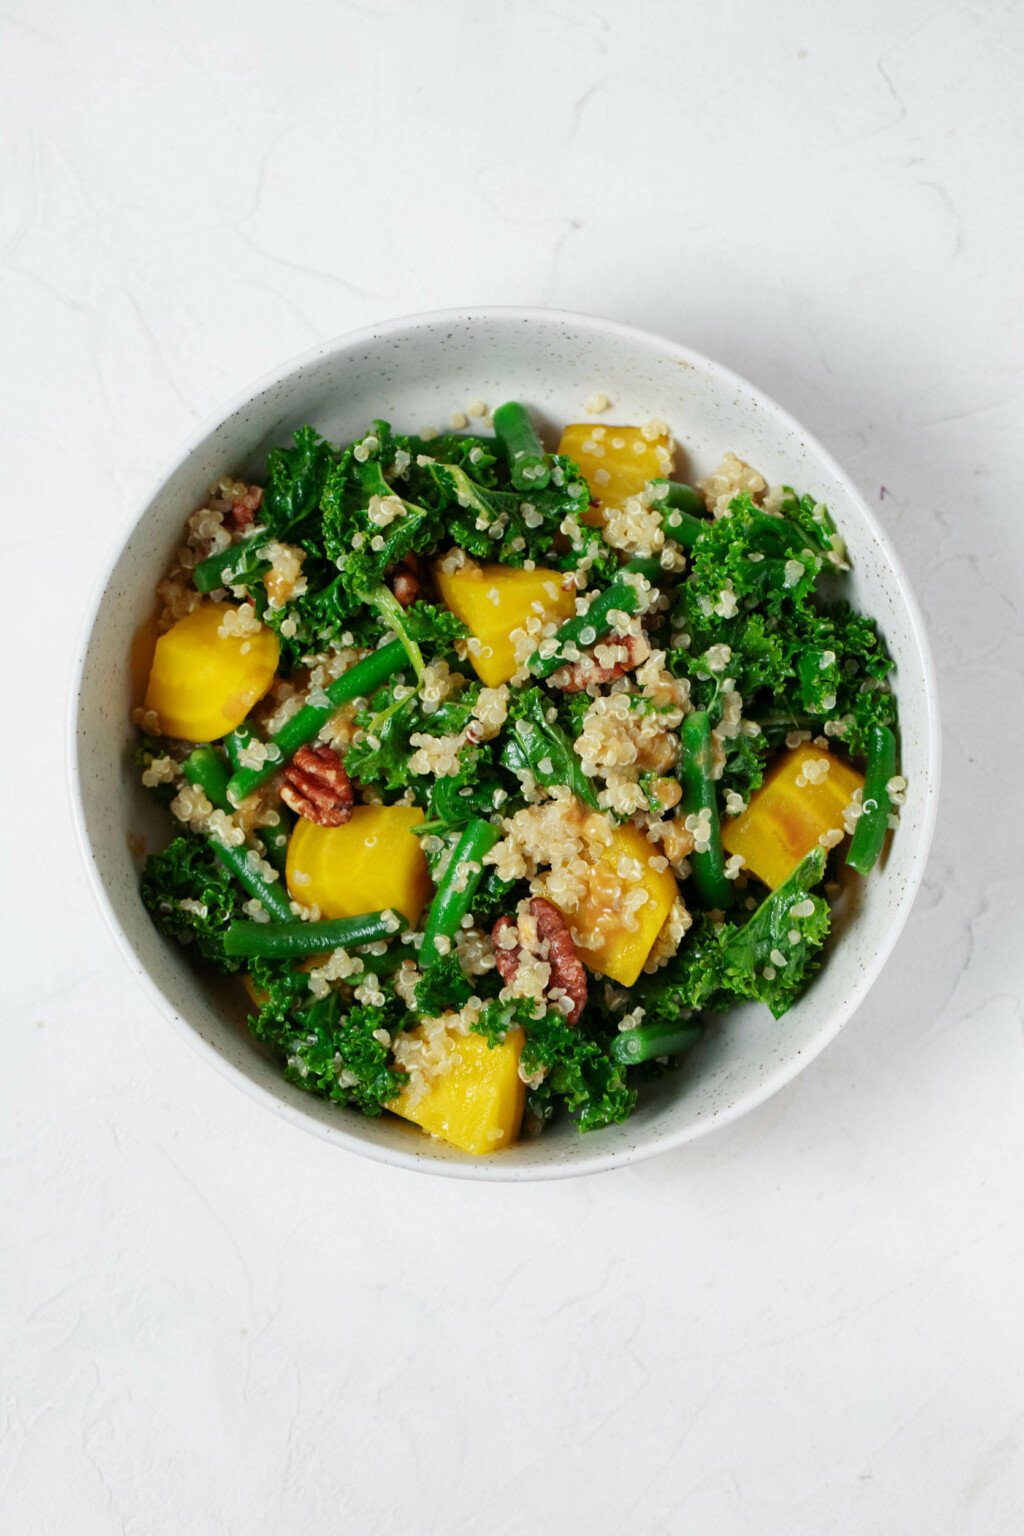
(630, 651)
(316, 786)
(567, 971)
(243, 511)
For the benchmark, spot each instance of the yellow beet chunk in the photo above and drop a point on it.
(608, 945)
(477, 1104)
(202, 683)
(616, 463)
(365, 865)
(494, 600)
(788, 815)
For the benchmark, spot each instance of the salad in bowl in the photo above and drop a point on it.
(497, 776)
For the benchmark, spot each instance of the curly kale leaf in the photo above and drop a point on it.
(328, 1049)
(762, 560)
(295, 483)
(475, 790)
(475, 455)
(381, 755)
(537, 745)
(442, 985)
(579, 1071)
(191, 897)
(493, 524)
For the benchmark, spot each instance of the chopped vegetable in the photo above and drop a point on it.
(495, 601)
(206, 678)
(476, 1103)
(700, 801)
(454, 895)
(527, 461)
(616, 935)
(873, 821)
(275, 941)
(617, 462)
(360, 680)
(802, 803)
(370, 863)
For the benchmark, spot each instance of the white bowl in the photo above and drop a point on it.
(414, 372)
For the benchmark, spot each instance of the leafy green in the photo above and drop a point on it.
(718, 963)
(579, 1072)
(295, 483)
(323, 1043)
(442, 985)
(537, 745)
(750, 953)
(188, 871)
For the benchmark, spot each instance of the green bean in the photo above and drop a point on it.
(273, 898)
(205, 768)
(527, 462)
(217, 570)
(275, 840)
(281, 941)
(236, 741)
(359, 681)
(648, 1041)
(873, 821)
(454, 896)
(621, 596)
(682, 512)
(699, 795)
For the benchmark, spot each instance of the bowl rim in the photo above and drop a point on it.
(492, 1169)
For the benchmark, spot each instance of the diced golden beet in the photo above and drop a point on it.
(608, 945)
(617, 462)
(790, 812)
(365, 865)
(494, 600)
(477, 1105)
(202, 683)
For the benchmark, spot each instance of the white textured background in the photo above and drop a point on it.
(809, 1324)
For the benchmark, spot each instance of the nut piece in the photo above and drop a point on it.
(607, 660)
(316, 786)
(553, 943)
(405, 582)
(406, 587)
(242, 512)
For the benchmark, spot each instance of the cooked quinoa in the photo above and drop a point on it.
(485, 763)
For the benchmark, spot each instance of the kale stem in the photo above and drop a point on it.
(391, 610)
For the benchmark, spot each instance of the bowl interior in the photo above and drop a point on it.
(415, 373)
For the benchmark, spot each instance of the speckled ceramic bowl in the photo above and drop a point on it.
(416, 371)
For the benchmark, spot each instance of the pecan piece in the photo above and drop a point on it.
(243, 511)
(316, 786)
(406, 586)
(567, 970)
(631, 651)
